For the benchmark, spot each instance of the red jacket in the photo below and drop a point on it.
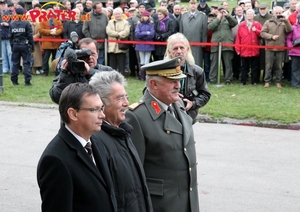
(293, 18)
(247, 37)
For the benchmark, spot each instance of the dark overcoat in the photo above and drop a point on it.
(194, 29)
(167, 150)
(125, 167)
(69, 181)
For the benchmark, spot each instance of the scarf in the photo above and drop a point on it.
(162, 23)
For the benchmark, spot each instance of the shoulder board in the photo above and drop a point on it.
(134, 106)
(202, 13)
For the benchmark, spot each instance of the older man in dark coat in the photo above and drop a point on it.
(194, 27)
(163, 136)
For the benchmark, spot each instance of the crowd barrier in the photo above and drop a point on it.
(203, 44)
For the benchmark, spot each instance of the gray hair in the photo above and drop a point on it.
(103, 80)
(250, 11)
(179, 36)
(118, 9)
(276, 8)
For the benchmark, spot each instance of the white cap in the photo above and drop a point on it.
(133, 1)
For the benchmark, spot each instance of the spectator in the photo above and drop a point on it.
(183, 9)
(203, 7)
(294, 53)
(256, 7)
(164, 27)
(148, 3)
(133, 59)
(33, 3)
(5, 38)
(109, 3)
(74, 26)
(65, 77)
(236, 61)
(221, 28)
(72, 173)
(144, 32)
(292, 18)
(194, 27)
(88, 6)
(79, 6)
(207, 49)
(225, 5)
(248, 34)
(163, 136)
(37, 54)
(262, 17)
(115, 136)
(133, 3)
(96, 28)
(291, 10)
(274, 32)
(49, 29)
(117, 29)
(67, 5)
(193, 88)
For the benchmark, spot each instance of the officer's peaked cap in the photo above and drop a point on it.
(169, 68)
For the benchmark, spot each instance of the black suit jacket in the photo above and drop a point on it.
(70, 181)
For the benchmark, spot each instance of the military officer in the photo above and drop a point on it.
(163, 136)
(21, 41)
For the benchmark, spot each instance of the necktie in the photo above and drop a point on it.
(88, 147)
(172, 111)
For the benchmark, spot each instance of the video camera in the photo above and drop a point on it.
(190, 95)
(72, 56)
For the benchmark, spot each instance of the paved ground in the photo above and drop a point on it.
(240, 168)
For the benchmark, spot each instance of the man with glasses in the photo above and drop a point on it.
(66, 77)
(72, 173)
(124, 163)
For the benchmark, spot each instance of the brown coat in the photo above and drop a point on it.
(113, 29)
(37, 54)
(44, 31)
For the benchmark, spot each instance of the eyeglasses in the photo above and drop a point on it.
(93, 110)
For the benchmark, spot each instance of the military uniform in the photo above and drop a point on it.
(22, 45)
(165, 143)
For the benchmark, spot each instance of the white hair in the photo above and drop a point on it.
(276, 8)
(250, 11)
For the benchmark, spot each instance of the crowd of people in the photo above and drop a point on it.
(249, 23)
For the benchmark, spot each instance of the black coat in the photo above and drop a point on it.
(125, 167)
(163, 35)
(69, 181)
(195, 80)
(70, 26)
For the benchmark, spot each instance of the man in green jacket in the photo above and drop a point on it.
(221, 28)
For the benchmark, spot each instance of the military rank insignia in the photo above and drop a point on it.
(156, 107)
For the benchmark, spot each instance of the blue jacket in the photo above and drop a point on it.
(145, 32)
(5, 34)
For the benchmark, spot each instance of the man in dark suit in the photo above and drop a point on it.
(72, 173)
(163, 136)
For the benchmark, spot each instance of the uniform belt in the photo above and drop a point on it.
(20, 41)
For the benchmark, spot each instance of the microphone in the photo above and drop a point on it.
(70, 55)
(74, 37)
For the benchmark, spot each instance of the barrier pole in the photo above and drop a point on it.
(105, 52)
(219, 62)
(1, 59)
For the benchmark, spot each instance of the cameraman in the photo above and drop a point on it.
(66, 77)
(193, 88)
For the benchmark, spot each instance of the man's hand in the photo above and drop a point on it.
(275, 37)
(87, 67)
